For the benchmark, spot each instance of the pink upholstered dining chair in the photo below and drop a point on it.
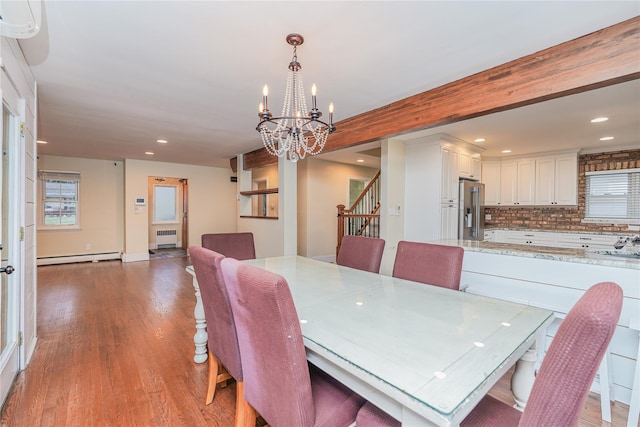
(233, 245)
(562, 384)
(279, 383)
(363, 253)
(429, 263)
(224, 353)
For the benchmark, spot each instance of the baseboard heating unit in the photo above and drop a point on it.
(166, 239)
(79, 258)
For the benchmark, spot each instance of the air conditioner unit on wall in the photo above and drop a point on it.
(166, 238)
(20, 19)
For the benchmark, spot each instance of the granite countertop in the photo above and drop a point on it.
(538, 230)
(629, 257)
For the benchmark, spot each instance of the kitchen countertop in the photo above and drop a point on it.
(629, 257)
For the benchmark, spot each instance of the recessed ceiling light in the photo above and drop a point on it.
(599, 119)
(149, 153)
(506, 151)
(40, 141)
(606, 138)
(479, 140)
(360, 161)
(162, 141)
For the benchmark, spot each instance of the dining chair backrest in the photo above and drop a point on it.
(438, 265)
(233, 245)
(274, 363)
(221, 328)
(363, 253)
(572, 360)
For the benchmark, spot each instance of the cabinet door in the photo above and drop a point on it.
(491, 180)
(526, 182)
(508, 184)
(464, 165)
(475, 168)
(449, 221)
(449, 184)
(545, 181)
(566, 180)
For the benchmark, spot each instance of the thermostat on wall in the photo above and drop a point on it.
(140, 201)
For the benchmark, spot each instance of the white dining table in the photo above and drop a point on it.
(424, 354)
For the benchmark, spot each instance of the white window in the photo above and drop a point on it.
(165, 206)
(60, 195)
(613, 195)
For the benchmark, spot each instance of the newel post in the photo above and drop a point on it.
(340, 226)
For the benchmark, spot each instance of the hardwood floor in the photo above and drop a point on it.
(115, 348)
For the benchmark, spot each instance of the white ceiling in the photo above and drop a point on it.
(115, 76)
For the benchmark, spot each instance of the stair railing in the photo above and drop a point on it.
(362, 218)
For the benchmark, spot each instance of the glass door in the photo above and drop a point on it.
(9, 327)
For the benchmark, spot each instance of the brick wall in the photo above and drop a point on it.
(567, 218)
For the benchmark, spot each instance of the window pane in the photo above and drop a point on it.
(60, 202)
(165, 203)
(52, 213)
(52, 189)
(613, 195)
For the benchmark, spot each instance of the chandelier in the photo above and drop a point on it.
(298, 131)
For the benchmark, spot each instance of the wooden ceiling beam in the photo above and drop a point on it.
(599, 59)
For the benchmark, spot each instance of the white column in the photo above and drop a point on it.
(288, 204)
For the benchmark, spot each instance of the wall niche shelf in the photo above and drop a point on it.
(257, 192)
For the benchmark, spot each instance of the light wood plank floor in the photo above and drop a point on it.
(115, 348)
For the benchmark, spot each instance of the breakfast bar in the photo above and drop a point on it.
(555, 278)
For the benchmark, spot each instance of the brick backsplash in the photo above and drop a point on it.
(566, 218)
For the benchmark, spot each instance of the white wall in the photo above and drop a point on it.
(101, 209)
(212, 203)
(327, 186)
(392, 186)
(18, 82)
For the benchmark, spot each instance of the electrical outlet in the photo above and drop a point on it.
(487, 217)
(87, 247)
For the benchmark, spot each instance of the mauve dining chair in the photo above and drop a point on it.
(567, 371)
(363, 253)
(279, 383)
(429, 263)
(224, 353)
(233, 245)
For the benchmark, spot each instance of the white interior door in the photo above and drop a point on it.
(9, 292)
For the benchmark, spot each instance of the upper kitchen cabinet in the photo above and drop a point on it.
(449, 181)
(491, 180)
(545, 180)
(469, 165)
(556, 180)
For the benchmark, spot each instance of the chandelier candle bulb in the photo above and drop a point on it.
(265, 93)
(313, 97)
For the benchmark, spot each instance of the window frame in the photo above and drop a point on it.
(54, 175)
(632, 198)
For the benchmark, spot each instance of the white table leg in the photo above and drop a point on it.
(200, 338)
(523, 378)
(605, 387)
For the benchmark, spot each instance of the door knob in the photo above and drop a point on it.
(8, 269)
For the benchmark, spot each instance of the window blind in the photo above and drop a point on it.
(59, 176)
(613, 194)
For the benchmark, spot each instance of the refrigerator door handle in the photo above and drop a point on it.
(475, 208)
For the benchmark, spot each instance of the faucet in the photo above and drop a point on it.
(635, 241)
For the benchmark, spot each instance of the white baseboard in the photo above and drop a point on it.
(79, 258)
(144, 256)
(29, 353)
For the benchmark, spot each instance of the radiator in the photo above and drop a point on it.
(166, 238)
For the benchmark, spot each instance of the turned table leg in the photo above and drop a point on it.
(200, 338)
(523, 378)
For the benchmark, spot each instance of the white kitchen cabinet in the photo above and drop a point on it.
(491, 180)
(489, 235)
(532, 238)
(464, 165)
(476, 169)
(449, 182)
(508, 183)
(556, 181)
(526, 182)
(449, 221)
(586, 241)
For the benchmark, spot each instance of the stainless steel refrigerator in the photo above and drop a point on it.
(471, 212)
